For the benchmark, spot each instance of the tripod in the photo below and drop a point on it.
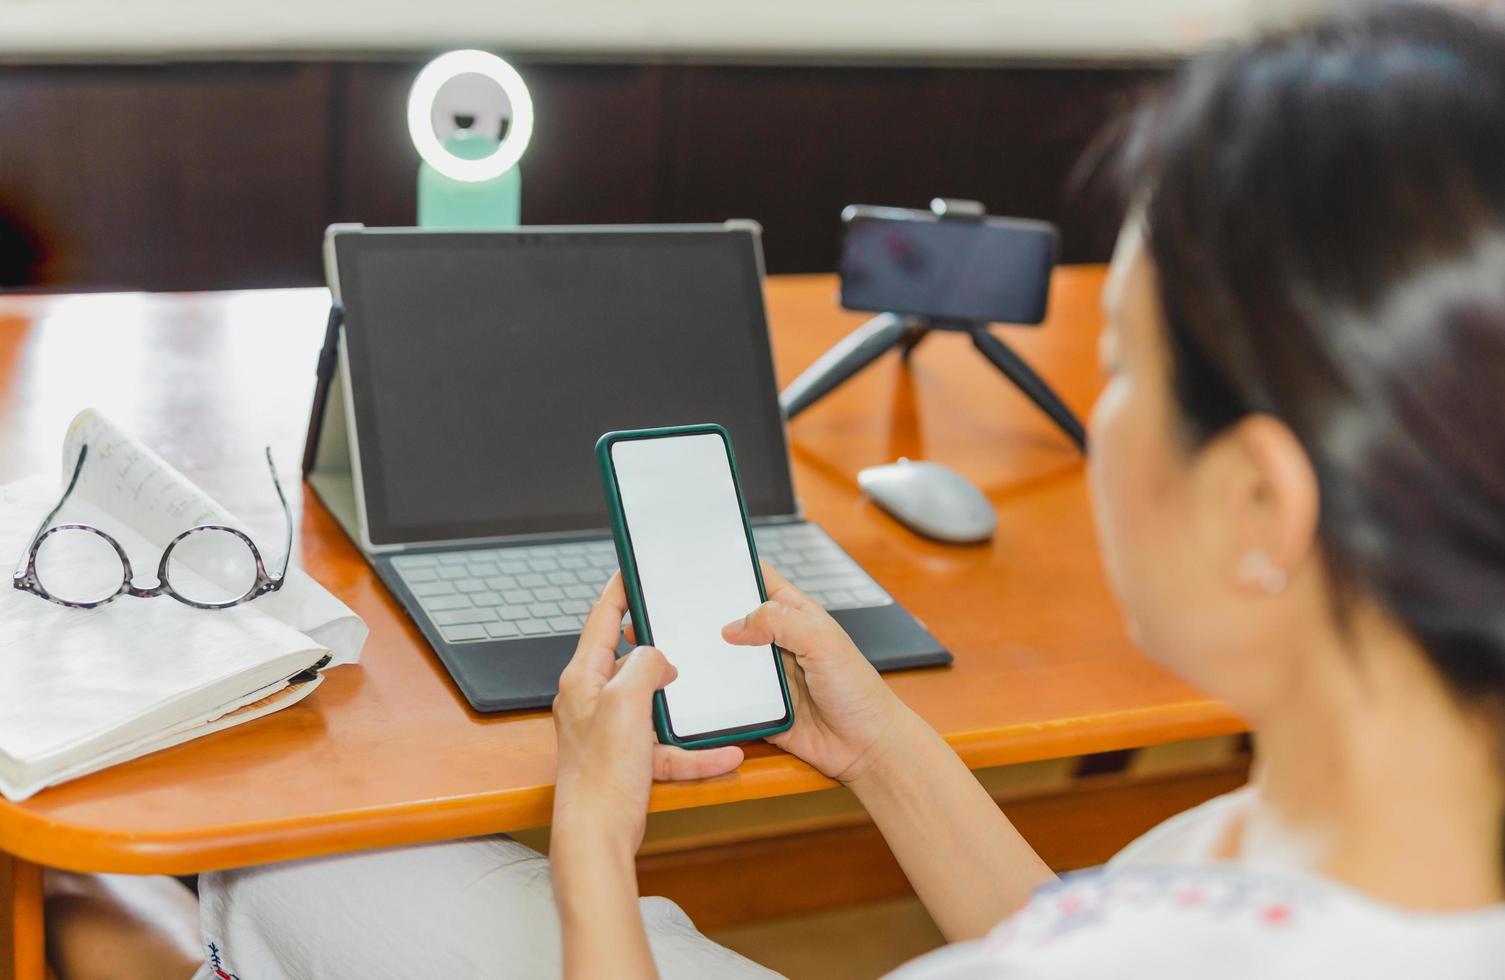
(886, 331)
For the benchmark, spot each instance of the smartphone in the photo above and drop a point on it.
(991, 270)
(690, 566)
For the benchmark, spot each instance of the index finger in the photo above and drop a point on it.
(597, 651)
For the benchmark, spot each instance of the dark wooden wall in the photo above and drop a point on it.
(202, 176)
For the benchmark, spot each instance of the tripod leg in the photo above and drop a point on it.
(1030, 383)
(854, 352)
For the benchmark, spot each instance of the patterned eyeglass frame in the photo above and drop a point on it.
(26, 579)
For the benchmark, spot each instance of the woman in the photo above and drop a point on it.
(1299, 481)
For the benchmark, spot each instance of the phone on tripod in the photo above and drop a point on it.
(985, 269)
(952, 268)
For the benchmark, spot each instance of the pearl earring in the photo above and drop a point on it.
(1258, 569)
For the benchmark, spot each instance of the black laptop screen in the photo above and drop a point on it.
(484, 367)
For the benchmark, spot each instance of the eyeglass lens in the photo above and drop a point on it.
(78, 566)
(211, 566)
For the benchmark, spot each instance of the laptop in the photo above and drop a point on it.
(466, 378)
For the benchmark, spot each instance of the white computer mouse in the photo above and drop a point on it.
(930, 499)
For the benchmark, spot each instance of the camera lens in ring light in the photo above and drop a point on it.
(420, 115)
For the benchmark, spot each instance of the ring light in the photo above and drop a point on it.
(420, 115)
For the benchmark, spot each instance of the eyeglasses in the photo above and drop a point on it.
(210, 566)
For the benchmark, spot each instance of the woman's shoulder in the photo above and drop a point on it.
(1218, 919)
(1166, 906)
(1191, 836)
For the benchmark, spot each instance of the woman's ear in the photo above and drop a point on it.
(1265, 500)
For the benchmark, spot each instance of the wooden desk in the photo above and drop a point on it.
(388, 752)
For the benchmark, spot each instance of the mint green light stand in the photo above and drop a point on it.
(444, 202)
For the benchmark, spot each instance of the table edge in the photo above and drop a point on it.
(74, 847)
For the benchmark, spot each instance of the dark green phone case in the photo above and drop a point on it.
(640, 622)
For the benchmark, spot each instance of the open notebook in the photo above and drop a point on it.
(84, 689)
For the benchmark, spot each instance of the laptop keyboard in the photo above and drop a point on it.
(546, 589)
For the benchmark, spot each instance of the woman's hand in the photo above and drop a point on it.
(608, 759)
(965, 860)
(603, 718)
(845, 716)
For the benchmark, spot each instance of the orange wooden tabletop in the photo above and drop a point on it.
(388, 752)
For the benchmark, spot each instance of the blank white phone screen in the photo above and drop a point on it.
(696, 575)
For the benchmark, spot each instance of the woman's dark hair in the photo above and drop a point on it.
(1326, 212)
